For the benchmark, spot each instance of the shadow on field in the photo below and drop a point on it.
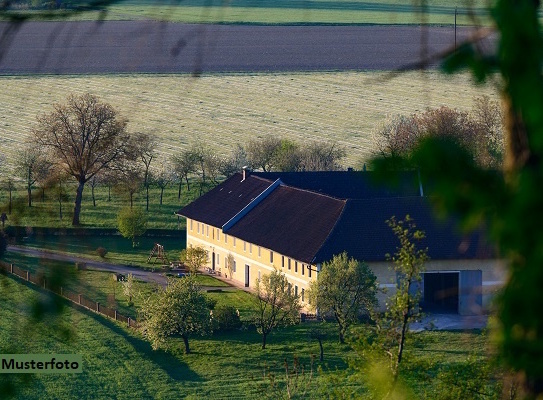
(174, 367)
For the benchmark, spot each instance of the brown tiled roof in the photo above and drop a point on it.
(313, 223)
(223, 202)
(290, 221)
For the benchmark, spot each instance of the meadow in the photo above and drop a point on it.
(119, 363)
(224, 110)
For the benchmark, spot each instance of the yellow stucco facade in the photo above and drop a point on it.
(251, 261)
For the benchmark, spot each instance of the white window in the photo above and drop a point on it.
(303, 269)
(295, 290)
(218, 234)
(198, 227)
(303, 294)
(207, 230)
(191, 224)
(296, 266)
(251, 248)
(289, 263)
(271, 257)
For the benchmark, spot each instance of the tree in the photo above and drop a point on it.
(230, 264)
(321, 156)
(179, 309)
(184, 164)
(145, 150)
(262, 153)
(234, 163)
(478, 132)
(31, 164)
(162, 177)
(128, 180)
(345, 289)
(402, 307)
(276, 304)
(85, 137)
(9, 185)
(128, 288)
(194, 258)
(132, 222)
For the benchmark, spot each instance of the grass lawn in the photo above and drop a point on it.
(119, 363)
(120, 250)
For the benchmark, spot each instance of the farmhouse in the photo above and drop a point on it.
(295, 221)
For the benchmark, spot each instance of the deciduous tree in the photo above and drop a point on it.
(31, 166)
(180, 309)
(194, 257)
(85, 136)
(402, 307)
(345, 289)
(276, 304)
(132, 222)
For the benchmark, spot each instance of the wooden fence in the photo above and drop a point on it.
(77, 298)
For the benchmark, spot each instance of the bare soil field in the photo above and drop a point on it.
(92, 47)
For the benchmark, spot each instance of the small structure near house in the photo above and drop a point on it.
(158, 253)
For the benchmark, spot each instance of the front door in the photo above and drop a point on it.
(246, 275)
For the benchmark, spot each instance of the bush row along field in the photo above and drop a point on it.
(299, 11)
(119, 363)
(222, 110)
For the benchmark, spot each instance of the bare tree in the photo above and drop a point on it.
(30, 167)
(162, 177)
(129, 180)
(184, 164)
(85, 136)
(234, 163)
(262, 153)
(321, 156)
(145, 150)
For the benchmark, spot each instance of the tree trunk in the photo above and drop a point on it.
(77, 204)
(9, 207)
(186, 341)
(187, 180)
(29, 193)
(60, 200)
(401, 344)
(322, 349)
(161, 195)
(93, 198)
(131, 199)
(264, 335)
(108, 192)
(147, 197)
(179, 189)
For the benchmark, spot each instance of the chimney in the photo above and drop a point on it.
(245, 171)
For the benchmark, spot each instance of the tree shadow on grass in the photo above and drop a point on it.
(175, 368)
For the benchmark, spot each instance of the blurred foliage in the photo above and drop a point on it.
(506, 204)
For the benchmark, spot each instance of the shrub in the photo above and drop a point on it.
(101, 251)
(3, 243)
(225, 318)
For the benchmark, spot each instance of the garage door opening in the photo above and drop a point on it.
(440, 292)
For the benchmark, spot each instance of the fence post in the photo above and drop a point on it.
(129, 322)
(11, 268)
(115, 315)
(79, 298)
(62, 294)
(44, 283)
(97, 307)
(27, 275)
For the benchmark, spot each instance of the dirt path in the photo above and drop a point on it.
(138, 273)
